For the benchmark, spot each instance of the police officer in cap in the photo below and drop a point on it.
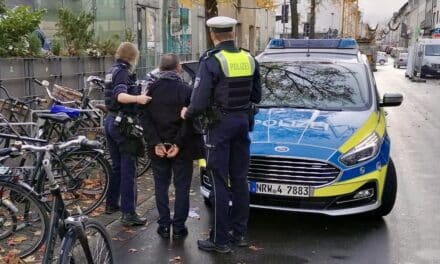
(226, 86)
(124, 135)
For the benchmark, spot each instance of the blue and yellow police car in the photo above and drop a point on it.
(320, 143)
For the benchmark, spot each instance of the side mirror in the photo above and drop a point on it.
(391, 99)
(420, 54)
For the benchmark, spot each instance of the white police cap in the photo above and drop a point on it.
(221, 23)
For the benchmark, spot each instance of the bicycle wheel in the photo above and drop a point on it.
(143, 164)
(23, 220)
(83, 176)
(72, 252)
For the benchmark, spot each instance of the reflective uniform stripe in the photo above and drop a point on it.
(236, 64)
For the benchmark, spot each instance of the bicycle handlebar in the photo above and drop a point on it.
(79, 141)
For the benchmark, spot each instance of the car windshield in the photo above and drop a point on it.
(311, 85)
(432, 50)
(403, 55)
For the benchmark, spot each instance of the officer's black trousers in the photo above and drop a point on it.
(228, 158)
(122, 183)
(181, 171)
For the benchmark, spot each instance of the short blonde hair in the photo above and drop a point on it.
(128, 52)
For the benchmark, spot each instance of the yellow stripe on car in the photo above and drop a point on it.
(346, 187)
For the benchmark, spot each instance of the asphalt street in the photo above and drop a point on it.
(410, 234)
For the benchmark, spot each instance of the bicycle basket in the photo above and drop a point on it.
(19, 111)
(64, 93)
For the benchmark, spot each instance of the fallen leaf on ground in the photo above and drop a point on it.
(176, 259)
(255, 248)
(132, 250)
(16, 240)
(118, 239)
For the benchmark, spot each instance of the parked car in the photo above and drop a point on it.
(395, 52)
(382, 58)
(320, 143)
(401, 60)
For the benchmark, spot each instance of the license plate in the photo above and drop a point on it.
(280, 189)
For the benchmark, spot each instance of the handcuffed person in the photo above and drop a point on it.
(124, 134)
(172, 144)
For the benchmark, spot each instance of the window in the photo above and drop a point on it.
(110, 18)
(314, 85)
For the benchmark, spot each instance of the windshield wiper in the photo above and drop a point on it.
(300, 107)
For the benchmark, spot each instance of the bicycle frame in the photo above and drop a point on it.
(60, 221)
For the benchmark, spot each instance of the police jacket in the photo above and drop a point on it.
(119, 80)
(227, 77)
(161, 118)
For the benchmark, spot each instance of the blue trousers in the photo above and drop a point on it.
(123, 176)
(181, 171)
(228, 162)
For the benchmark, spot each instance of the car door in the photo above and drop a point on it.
(190, 71)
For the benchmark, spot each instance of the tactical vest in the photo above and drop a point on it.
(233, 92)
(110, 102)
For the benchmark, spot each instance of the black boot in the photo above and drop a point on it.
(111, 209)
(132, 219)
(209, 245)
(164, 231)
(239, 240)
(180, 233)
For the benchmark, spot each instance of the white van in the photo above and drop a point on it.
(427, 57)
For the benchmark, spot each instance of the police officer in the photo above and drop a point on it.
(121, 99)
(227, 84)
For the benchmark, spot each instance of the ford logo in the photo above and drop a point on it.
(281, 149)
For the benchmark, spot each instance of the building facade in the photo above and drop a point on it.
(255, 25)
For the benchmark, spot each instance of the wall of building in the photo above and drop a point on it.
(255, 26)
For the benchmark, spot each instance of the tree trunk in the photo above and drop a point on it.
(312, 18)
(294, 16)
(211, 10)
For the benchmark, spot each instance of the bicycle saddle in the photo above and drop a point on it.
(71, 112)
(57, 117)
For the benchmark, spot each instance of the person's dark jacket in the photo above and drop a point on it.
(161, 118)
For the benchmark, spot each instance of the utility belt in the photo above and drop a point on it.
(128, 125)
(216, 114)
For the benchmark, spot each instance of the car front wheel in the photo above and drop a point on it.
(389, 192)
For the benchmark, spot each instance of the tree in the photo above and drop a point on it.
(211, 10)
(312, 18)
(295, 18)
(2, 6)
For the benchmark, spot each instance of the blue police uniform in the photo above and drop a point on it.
(228, 143)
(123, 179)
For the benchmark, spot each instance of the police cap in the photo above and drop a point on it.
(221, 24)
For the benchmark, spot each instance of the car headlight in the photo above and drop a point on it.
(367, 149)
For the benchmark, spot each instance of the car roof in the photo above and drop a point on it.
(323, 50)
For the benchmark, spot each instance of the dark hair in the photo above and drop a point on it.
(169, 62)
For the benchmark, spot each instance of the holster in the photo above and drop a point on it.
(133, 146)
(253, 110)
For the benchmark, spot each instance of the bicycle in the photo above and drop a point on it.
(83, 240)
(83, 173)
(84, 120)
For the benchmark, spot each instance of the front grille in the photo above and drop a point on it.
(291, 171)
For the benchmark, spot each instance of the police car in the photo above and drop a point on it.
(320, 143)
